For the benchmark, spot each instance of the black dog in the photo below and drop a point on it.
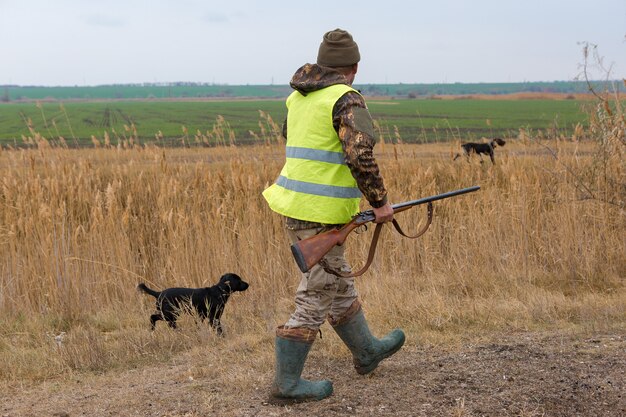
(208, 302)
(481, 148)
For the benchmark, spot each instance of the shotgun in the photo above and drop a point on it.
(310, 251)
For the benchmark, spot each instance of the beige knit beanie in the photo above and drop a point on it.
(338, 49)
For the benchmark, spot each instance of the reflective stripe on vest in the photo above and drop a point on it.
(315, 184)
(318, 189)
(315, 155)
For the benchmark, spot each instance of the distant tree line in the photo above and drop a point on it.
(183, 89)
(425, 90)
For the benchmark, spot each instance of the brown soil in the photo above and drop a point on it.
(520, 375)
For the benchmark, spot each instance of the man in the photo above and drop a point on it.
(329, 166)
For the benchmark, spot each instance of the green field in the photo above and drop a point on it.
(441, 120)
(241, 121)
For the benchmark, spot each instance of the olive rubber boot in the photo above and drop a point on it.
(291, 353)
(367, 351)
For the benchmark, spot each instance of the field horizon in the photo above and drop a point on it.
(10, 93)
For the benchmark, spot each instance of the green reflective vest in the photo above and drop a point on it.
(315, 183)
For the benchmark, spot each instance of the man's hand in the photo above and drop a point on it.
(383, 214)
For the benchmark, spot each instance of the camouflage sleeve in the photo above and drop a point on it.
(354, 126)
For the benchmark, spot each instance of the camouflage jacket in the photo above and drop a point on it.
(353, 124)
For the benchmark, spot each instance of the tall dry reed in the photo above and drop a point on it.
(80, 228)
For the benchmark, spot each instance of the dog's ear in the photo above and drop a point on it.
(227, 286)
(225, 282)
(229, 277)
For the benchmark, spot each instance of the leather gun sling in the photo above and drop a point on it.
(372, 250)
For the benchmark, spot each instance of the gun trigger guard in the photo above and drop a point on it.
(361, 229)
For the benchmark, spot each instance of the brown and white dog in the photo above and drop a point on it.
(481, 148)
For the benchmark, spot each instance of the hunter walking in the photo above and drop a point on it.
(329, 166)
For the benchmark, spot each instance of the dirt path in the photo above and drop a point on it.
(522, 375)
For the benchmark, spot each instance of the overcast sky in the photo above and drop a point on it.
(93, 42)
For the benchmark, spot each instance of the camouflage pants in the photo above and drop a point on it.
(321, 295)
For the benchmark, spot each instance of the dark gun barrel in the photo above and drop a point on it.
(368, 215)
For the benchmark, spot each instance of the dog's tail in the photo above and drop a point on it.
(142, 287)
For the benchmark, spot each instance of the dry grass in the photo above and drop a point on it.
(80, 228)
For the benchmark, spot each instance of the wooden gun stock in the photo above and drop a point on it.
(310, 251)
